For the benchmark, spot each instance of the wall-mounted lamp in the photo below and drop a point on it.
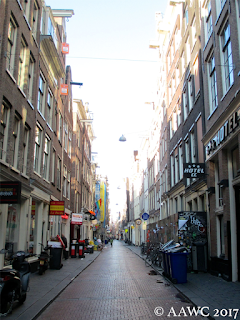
(122, 138)
(223, 183)
(211, 190)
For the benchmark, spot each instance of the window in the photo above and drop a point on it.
(68, 184)
(30, 78)
(11, 46)
(16, 137)
(35, 20)
(37, 150)
(64, 181)
(188, 50)
(187, 156)
(46, 158)
(41, 94)
(179, 115)
(65, 136)
(53, 165)
(69, 144)
(60, 130)
(193, 147)
(183, 63)
(22, 63)
(209, 27)
(196, 75)
(25, 148)
(184, 104)
(51, 31)
(49, 108)
(172, 170)
(177, 72)
(59, 172)
(26, 8)
(55, 117)
(212, 82)
(186, 16)
(227, 57)
(190, 93)
(194, 32)
(176, 167)
(5, 113)
(180, 162)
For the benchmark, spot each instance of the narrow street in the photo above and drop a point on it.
(117, 285)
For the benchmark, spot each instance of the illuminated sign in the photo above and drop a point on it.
(194, 170)
(56, 208)
(10, 192)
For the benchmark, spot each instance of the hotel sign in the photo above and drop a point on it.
(223, 133)
(194, 170)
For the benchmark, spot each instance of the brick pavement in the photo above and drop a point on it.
(116, 286)
(45, 288)
(204, 289)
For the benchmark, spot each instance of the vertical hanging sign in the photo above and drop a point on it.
(65, 48)
(64, 90)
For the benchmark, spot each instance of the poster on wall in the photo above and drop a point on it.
(192, 227)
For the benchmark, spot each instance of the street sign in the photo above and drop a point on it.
(145, 216)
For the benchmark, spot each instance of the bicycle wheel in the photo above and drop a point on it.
(148, 261)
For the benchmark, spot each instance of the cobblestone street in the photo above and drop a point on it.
(117, 286)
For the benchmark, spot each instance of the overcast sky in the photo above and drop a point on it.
(110, 55)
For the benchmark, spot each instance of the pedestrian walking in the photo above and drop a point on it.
(65, 253)
(111, 241)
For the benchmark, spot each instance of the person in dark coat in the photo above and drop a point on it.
(65, 253)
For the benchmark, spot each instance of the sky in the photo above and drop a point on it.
(110, 54)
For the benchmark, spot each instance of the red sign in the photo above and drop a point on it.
(56, 208)
(65, 48)
(64, 90)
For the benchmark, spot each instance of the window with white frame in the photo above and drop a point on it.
(37, 148)
(79, 137)
(194, 32)
(193, 147)
(30, 78)
(190, 93)
(65, 135)
(212, 83)
(177, 73)
(69, 143)
(41, 94)
(218, 187)
(16, 140)
(171, 128)
(22, 65)
(26, 8)
(209, 26)
(55, 116)
(11, 45)
(226, 57)
(53, 165)
(60, 129)
(176, 166)
(179, 114)
(219, 6)
(68, 184)
(183, 63)
(64, 181)
(59, 172)
(35, 19)
(5, 114)
(196, 75)
(49, 107)
(186, 16)
(184, 103)
(46, 157)
(51, 31)
(25, 148)
(180, 162)
(188, 50)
